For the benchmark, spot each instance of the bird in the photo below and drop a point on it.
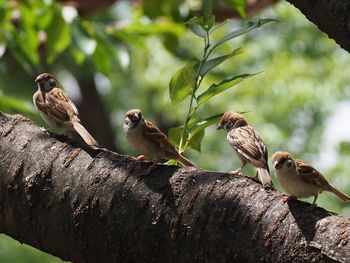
(247, 144)
(149, 141)
(57, 110)
(301, 180)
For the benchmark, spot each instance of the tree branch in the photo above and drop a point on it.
(330, 16)
(88, 205)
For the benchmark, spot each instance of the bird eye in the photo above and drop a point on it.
(52, 82)
(289, 163)
(134, 118)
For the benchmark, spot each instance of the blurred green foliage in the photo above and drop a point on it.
(11, 251)
(134, 50)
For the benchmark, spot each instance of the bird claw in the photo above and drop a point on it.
(237, 172)
(43, 129)
(141, 158)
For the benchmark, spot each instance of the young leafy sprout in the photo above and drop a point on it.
(186, 82)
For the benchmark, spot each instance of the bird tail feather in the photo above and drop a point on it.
(184, 161)
(344, 197)
(264, 177)
(84, 134)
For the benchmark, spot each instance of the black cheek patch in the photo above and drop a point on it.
(133, 118)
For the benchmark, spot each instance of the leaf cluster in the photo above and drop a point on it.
(185, 83)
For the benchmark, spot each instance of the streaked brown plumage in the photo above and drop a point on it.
(148, 140)
(300, 179)
(57, 110)
(247, 144)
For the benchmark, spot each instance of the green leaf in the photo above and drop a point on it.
(196, 133)
(129, 38)
(25, 37)
(78, 56)
(12, 104)
(197, 26)
(46, 12)
(207, 10)
(217, 26)
(241, 10)
(239, 5)
(101, 59)
(195, 141)
(58, 38)
(222, 86)
(165, 26)
(20, 57)
(344, 147)
(204, 123)
(210, 64)
(181, 83)
(171, 163)
(81, 40)
(247, 28)
(106, 40)
(174, 135)
(210, 23)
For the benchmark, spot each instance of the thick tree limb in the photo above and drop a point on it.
(85, 205)
(330, 16)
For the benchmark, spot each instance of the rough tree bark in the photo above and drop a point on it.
(89, 205)
(330, 16)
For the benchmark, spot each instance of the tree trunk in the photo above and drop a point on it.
(93, 112)
(88, 205)
(330, 16)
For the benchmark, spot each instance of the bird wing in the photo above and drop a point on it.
(60, 106)
(311, 175)
(247, 142)
(40, 102)
(156, 136)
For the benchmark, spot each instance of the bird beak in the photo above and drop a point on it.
(277, 165)
(219, 127)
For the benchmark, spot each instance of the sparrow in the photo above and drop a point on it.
(57, 110)
(247, 144)
(149, 141)
(300, 179)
